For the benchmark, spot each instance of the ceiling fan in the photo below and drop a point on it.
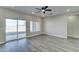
(43, 9)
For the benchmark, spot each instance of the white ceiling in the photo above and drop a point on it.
(56, 10)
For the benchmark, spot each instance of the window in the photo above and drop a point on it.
(15, 29)
(34, 26)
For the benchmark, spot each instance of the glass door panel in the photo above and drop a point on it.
(11, 29)
(21, 28)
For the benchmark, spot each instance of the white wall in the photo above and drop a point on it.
(7, 13)
(2, 29)
(56, 26)
(73, 26)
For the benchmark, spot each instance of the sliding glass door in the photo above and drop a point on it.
(11, 29)
(21, 28)
(15, 29)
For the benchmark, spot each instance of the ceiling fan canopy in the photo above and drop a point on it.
(43, 9)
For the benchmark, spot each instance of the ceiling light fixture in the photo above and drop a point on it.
(43, 10)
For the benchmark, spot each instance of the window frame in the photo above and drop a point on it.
(34, 24)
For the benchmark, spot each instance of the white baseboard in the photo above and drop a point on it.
(56, 36)
(73, 36)
(33, 35)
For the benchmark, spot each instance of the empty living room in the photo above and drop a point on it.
(39, 28)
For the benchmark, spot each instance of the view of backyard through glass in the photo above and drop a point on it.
(15, 29)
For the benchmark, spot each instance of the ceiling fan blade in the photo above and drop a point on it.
(48, 10)
(46, 7)
(42, 8)
(38, 8)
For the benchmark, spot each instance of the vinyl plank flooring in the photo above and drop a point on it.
(42, 43)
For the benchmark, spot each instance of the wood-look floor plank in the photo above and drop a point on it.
(42, 43)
